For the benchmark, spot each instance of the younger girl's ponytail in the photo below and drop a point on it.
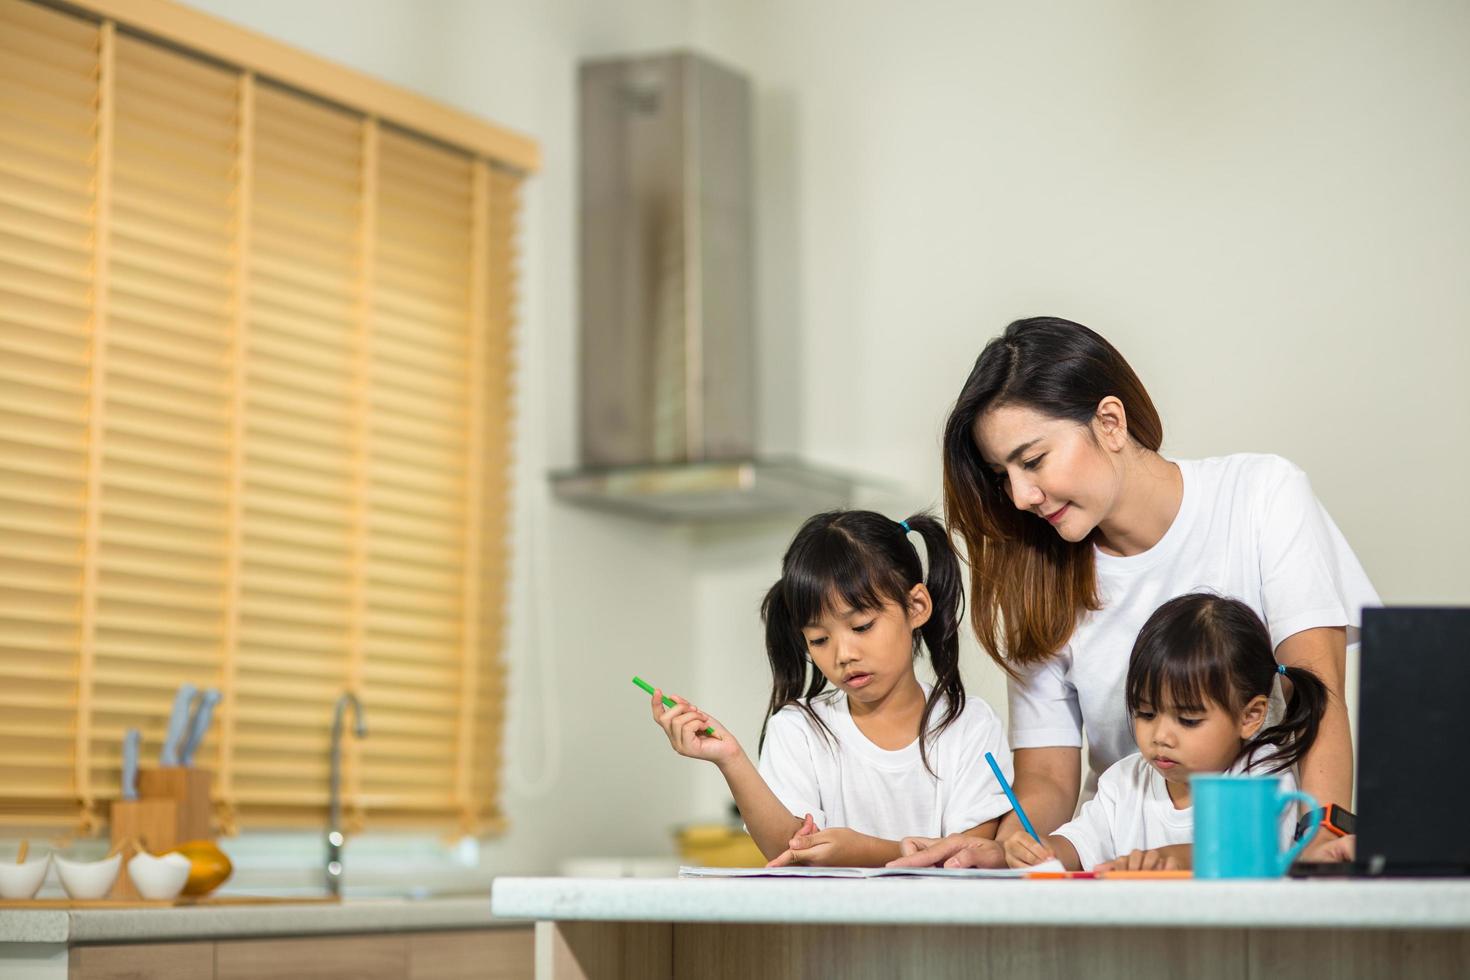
(1287, 742)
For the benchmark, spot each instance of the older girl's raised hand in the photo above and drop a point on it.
(685, 725)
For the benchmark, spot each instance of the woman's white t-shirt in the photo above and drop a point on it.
(1132, 812)
(1248, 527)
(881, 792)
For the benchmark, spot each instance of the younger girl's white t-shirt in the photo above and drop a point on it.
(881, 792)
(1248, 527)
(1132, 812)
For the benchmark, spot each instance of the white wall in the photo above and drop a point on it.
(611, 597)
(1263, 205)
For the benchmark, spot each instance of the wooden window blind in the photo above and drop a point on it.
(255, 388)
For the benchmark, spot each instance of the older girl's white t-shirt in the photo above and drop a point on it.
(886, 793)
(1248, 527)
(1132, 812)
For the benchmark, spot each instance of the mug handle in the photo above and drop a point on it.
(1314, 812)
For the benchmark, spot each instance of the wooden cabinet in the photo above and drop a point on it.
(313, 958)
(490, 954)
(484, 954)
(142, 961)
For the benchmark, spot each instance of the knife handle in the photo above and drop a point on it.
(199, 726)
(131, 742)
(178, 722)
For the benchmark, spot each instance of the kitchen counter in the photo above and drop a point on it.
(948, 927)
(1335, 903)
(366, 939)
(228, 921)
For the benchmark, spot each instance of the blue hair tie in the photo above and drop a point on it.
(1281, 669)
(904, 525)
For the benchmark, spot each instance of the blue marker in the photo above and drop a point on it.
(1010, 795)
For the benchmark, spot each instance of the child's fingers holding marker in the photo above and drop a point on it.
(1022, 851)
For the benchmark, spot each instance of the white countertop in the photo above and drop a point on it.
(1398, 904)
(233, 921)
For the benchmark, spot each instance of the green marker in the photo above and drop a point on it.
(668, 701)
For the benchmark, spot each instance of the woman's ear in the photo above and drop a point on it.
(921, 606)
(1254, 716)
(1110, 423)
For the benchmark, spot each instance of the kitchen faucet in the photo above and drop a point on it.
(334, 813)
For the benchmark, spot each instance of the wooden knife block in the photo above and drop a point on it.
(173, 807)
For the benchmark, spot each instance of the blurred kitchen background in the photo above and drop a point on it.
(1263, 205)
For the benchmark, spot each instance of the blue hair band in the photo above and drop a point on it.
(904, 525)
(1281, 669)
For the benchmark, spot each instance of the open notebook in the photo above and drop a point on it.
(804, 872)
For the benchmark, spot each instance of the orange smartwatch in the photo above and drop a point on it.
(1339, 820)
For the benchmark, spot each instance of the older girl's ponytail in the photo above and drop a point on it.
(941, 633)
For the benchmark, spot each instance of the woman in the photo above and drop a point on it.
(1077, 530)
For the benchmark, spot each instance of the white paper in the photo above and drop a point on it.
(801, 871)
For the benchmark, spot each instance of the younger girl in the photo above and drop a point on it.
(1199, 683)
(852, 738)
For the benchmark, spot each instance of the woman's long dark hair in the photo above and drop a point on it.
(1201, 647)
(857, 559)
(1028, 586)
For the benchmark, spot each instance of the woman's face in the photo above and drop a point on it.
(1053, 468)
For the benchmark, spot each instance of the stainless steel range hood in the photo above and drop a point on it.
(668, 385)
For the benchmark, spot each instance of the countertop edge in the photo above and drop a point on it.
(247, 921)
(1115, 904)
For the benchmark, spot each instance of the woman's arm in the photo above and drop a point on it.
(1047, 783)
(1327, 768)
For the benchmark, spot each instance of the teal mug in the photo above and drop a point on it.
(1237, 826)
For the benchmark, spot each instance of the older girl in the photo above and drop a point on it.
(853, 739)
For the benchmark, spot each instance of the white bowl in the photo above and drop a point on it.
(22, 881)
(88, 879)
(159, 878)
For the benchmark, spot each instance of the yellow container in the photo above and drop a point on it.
(718, 845)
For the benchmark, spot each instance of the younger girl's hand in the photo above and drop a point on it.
(685, 725)
(1023, 851)
(1159, 859)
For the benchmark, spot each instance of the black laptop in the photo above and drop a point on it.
(1413, 745)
